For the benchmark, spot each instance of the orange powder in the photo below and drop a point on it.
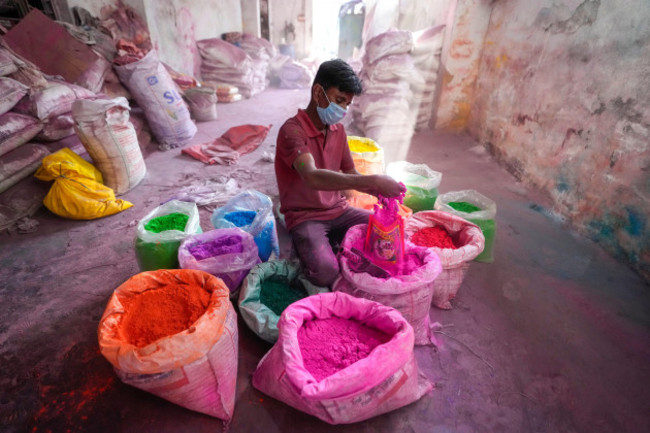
(157, 313)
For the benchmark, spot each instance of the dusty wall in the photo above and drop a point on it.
(563, 97)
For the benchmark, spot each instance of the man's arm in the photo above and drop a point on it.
(329, 180)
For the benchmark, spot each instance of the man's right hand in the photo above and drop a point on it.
(384, 185)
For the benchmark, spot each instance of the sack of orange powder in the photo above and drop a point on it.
(173, 332)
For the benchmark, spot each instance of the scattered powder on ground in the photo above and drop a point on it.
(463, 206)
(240, 218)
(433, 237)
(157, 313)
(229, 244)
(172, 221)
(330, 345)
(278, 295)
(361, 147)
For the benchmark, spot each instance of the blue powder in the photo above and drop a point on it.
(240, 218)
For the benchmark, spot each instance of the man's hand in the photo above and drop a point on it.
(384, 185)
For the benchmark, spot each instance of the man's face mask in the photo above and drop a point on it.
(331, 115)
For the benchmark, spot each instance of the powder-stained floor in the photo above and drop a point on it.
(551, 337)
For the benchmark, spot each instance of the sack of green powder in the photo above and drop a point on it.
(266, 292)
(187, 356)
(252, 212)
(161, 231)
(386, 379)
(410, 294)
(468, 241)
(225, 253)
(476, 208)
(421, 184)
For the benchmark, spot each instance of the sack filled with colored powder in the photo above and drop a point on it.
(408, 288)
(268, 289)
(173, 333)
(338, 351)
(477, 209)
(455, 240)
(160, 233)
(225, 253)
(251, 211)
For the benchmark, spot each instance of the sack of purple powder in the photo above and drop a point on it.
(225, 253)
(252, 212)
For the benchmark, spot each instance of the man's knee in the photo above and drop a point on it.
(323, 273)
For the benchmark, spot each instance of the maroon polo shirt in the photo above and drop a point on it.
(330, 151)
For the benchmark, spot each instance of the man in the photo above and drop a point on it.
(313, 165)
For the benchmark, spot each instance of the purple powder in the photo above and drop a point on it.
(330, 345)
(229, 244)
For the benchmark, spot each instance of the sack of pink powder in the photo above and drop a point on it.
(342, 359)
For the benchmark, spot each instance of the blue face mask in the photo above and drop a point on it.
(331, 115)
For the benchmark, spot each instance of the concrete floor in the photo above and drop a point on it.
(551, 337)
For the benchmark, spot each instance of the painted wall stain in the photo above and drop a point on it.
(461, 49)
(584, 15)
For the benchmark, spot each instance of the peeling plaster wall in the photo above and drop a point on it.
(100, 8)
(563, 98)
(467, 25)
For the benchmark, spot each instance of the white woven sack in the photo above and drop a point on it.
(104, 129)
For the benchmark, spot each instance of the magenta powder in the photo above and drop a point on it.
(330, 345)
(409, 264)
(230, 244)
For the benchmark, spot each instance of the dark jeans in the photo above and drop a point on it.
(313, 241)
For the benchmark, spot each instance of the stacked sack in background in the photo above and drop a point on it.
(399, 74)
(244, 68)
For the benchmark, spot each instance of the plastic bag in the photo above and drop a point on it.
(155, 91)
(421, 184)
(78, 192)
(238, 255)
(368, 157)
(367, 201)
(385, 234)
(104, 129)
(259, 317)
(409, 294)
(485, 218)
(387, 379)
(160, 250)
(262, 226)
(196, 368)
(469, 241)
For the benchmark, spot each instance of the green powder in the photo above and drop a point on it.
(277, 294)
(172, 221)
(463, 206)
(418, 199)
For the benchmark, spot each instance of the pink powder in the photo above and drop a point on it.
(330, 345)
(409, 264)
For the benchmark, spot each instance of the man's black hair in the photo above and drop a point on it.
(337, 73)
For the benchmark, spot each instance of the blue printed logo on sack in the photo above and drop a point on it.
(171, 96)
(152, 80)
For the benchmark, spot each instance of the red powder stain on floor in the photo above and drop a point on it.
(71, 406)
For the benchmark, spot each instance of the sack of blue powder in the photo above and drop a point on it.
(268, 289)
(160, 233)
(225, 253)
(252, 212)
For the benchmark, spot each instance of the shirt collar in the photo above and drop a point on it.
(308, 125)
